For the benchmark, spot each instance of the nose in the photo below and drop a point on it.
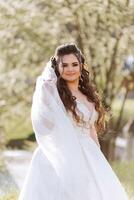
(70, 69)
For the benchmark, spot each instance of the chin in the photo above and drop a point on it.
(70, 80)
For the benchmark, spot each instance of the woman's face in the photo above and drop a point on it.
(69, 68)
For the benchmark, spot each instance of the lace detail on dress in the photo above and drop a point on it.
(88, 116)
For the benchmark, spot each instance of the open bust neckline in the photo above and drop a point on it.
(91, 111)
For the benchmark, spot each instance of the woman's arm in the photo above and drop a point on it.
(93, 134)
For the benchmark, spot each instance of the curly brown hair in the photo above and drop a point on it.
(85, 85)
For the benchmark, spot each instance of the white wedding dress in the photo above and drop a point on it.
(68, 179)
(42, 182)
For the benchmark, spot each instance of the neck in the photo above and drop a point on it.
(73, 86)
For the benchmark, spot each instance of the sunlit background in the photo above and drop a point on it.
(30, 30)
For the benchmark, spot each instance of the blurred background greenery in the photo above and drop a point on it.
(30, 30)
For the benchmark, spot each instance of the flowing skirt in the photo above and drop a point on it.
(42, 182)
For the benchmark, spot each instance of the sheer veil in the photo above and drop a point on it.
(57, 138)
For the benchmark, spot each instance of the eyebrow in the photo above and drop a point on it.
(72, 63)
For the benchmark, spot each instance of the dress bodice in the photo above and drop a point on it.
(89, 116)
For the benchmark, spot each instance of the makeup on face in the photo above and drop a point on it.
(69, 67)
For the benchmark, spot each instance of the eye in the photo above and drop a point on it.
(64, 65)
(75, 65)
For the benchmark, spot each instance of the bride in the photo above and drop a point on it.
(67, 117)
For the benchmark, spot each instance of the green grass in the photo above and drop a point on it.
(125, 172)
(13, 195)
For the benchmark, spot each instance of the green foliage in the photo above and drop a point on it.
(31, 30)
(128, 113)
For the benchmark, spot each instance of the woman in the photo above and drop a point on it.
(67, 115)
